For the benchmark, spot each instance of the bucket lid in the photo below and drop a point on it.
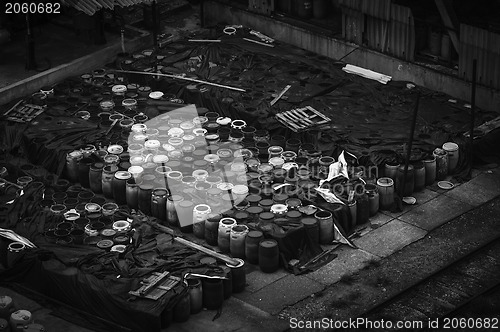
(255, 234)
(266, 215)
(160, 192)
(255, 210)
(450, 146)
(270, 243)
(385, 182)
(123, 175)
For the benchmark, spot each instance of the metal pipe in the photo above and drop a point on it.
(410, 143)
(181, 78)
(472, 106)
(155, 25)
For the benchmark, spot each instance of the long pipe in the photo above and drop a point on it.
(180, 78)
(154, 13)
(410, 143)
(472, 106)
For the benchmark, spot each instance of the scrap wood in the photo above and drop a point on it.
(193, 245)
(366, 73)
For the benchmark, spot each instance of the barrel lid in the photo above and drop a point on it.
(146, 186)
(252, 162)
(200, 153)
(203, 208)
(293, 202)
(186, 204)
(152, 144)
(92, 207)
(160, 191)
(255, 210)
(385, 182)
(111, 158)
(228, 221)
(225, 186)
(266, 215)
(269, 243)
(123, 175)
(450, 146)
(121, 238)
(135, 169)
(115, 149)
(309, 222)
(253, 198)
(266, 202)
(255, 234)
(174, 174)
(176, 198)
(293, 214)
(155, 95)
(276, 161)
(108, 232)
(214, 191)
(160, 158)
(98, 165)
(119, 88)
(280, 198)
(211, 158)
(240, 189)
(105, 244)
(279, 208)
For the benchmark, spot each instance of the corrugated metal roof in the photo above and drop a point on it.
(90, 7)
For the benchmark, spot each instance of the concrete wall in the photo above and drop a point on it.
(76, 67)
(323, 44)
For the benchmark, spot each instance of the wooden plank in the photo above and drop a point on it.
(450, 21)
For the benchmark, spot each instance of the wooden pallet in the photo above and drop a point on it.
(156, 285)
(23, 113)
(302, 119)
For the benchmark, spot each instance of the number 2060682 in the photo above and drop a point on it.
(32, 8)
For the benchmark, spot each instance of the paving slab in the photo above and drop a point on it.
(374, 222)
(425, 195)
(389, 238)
(20, 301)
(435, 212)
(236, 316)
(281, 293)
(479, 190)
(257, 280)
(348, 261)
(52, 323)
(379, 219)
